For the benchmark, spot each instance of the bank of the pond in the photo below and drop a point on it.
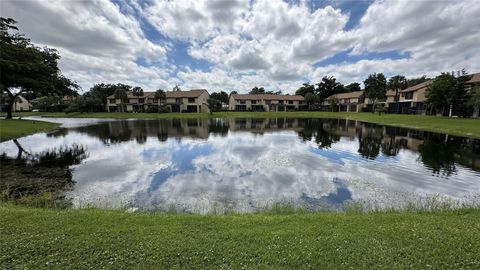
(453, 126)
(14, 128)
(92, 238)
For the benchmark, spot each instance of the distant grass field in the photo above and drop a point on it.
(11, 129)
(454, 126)
(91, 238)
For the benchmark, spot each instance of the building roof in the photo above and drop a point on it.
(474, 79)
(169, 94)
(417, 86)
(185, 94)
(266, 97)
(355, 94)
(390, 93)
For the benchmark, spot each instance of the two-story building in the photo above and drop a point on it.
(347, 102)
(176, 101)
(266, 102)
(412, 99)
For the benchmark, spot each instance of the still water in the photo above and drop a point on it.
(205, 165)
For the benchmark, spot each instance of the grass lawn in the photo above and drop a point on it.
(92, 238)
(453, 126)
(11, 129)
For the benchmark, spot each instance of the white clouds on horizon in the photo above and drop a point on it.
(267, 43)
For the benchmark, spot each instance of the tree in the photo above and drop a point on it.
(375, 87)
(137, 91)
(220, 96)
(234, 93)
(214, 105)
(334, 104)
(26, 68)
(257, 90)
(327, 87)
(121, 94)
(102, 91)
(439, 92)
(353, 87)
(305, 89)
(160, 96)
(311, 99)
(474, 100)
(397, 83)
(415, 81)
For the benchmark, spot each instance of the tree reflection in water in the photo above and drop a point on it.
(34, 174)
(438, 152)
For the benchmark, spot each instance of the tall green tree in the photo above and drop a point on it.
(27, 68)
(327, 87)
(415, 81)
(160, 96)
(397, 83)
(257, 90)
(137, 91)
(222, 96)
(375, 88)
(353, 87)
(311, 99)
(121, 94)
(214, 105)
(305, 89)
(440, 92)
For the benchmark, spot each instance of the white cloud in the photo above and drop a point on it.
(270, 43)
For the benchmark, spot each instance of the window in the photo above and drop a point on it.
(290, 102)
(178, 100)
(242, 101)
(280, 102)
(142, 100)
(112, 100)
(254, 102)
(408, 95)
(191, 100)
(268, 102)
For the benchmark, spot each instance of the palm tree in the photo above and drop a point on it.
(160, 95)
(122, 95)
(396, 83)
(310, 99)
(138, 92)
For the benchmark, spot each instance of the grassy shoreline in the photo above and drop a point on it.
(15, 128)
(453, 126)
(46, 238)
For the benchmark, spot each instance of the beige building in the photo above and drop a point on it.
(412, 99)
(347, 102)
(266, 102)
(21, 104)
(176, 101)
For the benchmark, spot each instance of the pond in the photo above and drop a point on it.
(238, 164)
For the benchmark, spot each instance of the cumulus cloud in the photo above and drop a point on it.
(271, 43)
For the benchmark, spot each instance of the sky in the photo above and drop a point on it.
(238, 44)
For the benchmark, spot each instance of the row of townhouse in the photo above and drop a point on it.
(176, 101)
(409, 100)
(266, 102)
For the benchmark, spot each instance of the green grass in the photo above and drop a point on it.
(93, 238)
(11, 129)
(452, 126)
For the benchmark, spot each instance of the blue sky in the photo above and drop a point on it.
(237, 44)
